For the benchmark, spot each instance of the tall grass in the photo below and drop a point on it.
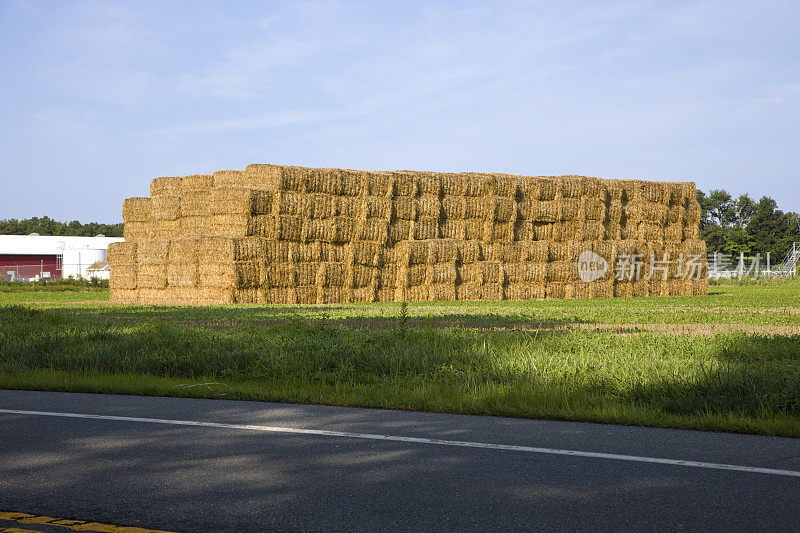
(726, 382)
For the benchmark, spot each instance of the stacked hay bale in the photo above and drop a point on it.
(281, 234)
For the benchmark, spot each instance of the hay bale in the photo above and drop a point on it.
(377, 207)
(426, 228)
(197, 182)
(182, 274)
(137, 210)
(167, 186)
(121, 253)
(123, 276)
(137, 231)
(452, 229)
(474, 229)
(404, 208)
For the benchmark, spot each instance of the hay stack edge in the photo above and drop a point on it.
(294, 235)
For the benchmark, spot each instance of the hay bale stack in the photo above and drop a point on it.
(295, 235)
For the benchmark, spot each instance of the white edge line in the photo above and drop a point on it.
(417, 440)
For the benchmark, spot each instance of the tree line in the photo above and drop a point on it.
(733, 225)
(727, 224)
(48, 226)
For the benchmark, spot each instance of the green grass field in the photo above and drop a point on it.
(727, 361)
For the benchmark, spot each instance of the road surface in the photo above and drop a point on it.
(215, 465)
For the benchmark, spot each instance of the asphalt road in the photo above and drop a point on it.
(353, 470)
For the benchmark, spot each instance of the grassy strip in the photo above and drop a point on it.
(735, 382)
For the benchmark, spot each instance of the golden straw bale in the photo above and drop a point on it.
(426, 228)
(366, 253)
(363, 276)
(545, 211)
(603, 288)
(182, 274)
(377, 207)
(331, 274)
(481, 272)
(630, 231)
(306, 294)
(121, 253)
(554, 290)
(641, 287)
(290, 202)
(404, 208)
(547, 188)
(526, 272)
(137, 231)
(544, 231)
(124, 296)
(183, 251)
(151, 276)
(676, 214)
(239, 200)
(696, 247)
(693, 212)
(473, 183)
(691, 232)
(615, 189)
(568, 230)
(562, 271)
(137, 210)
(473, 229)
(499, 232)
(419, 293)
(649, 231)
(270, 177)
(623, 289)
(454, 207)
(353, 182)
(577, 290)
(569, 209)
(652, 191)
(680, 287)
(378, 183)
(238, 274)
(673, 233)
(443, 251)
(232, 178)
(220, 225)
(347, 206)
(442, 273)
(194, 203)
(166, 207)
(405, 183)
(507, 186)
(444, 292)
(152, 252)
(224, 250)
(468, 291)
(332, 295)
(386, 294)
(503, 252)
(280, 275)
(453, 185)
(700, 287)
(659, 287)
(606, 249)
(429, 183)
(374, 230)
(252, 295)
(570, 186)
(123, 276)
(364, 294)
(306, 273)
(593, 209)
(429, 206)
(452, 229)
(417, 275)
(197, 182)
(504, 209)
(615, 211)
(469, 252)
(166, 229)
(524, 230)
(521, 292)
(169, 186)
(593, 231)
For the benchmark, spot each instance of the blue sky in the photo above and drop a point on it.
(99, 97)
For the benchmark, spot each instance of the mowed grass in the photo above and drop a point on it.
(528, 359)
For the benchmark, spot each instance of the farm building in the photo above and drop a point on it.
(31, 257)
(295, 235)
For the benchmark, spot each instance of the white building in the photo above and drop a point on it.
(30, 257)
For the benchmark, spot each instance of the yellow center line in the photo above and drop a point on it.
(75, 525)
